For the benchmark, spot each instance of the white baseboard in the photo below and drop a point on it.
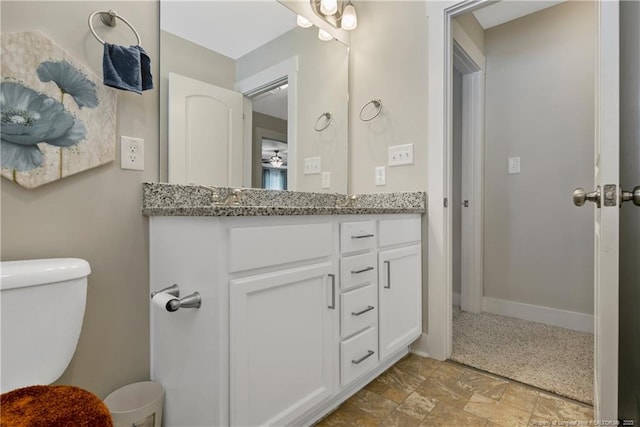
(535, 313)
(457, 298)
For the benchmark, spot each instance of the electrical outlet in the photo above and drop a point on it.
(131, 153)
(400, 155)
(326, 179)
(312, 165)
(514, 165)
(381, 178)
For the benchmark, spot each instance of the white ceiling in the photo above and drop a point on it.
(508, 10)
(230, 27)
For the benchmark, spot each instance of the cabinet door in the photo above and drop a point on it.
(282, 349)
(400, 298)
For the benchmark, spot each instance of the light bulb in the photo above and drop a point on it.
(329, 7)
(349, 17)
(303, 22)
(323, 35)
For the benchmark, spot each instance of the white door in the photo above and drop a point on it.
(205, 133)
(282, 348)
(400, 321)
(605, 198)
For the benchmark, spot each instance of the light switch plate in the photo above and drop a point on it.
(312, 165)
(400, 155)
(131, 153)
(514, 165)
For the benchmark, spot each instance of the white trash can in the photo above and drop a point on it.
(137, 405)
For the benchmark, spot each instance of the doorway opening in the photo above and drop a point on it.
(514, 234)
(269, 124)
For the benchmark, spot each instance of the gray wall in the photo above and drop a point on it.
(629, 364)
(538, 248)
(472, 27)
(389, 62)
(94, 215)
(188, 59)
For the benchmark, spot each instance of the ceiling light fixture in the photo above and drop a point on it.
(324, 35)
(329, 7)
(303, 22)
(276, 161)
(338, 13)
(349, 19)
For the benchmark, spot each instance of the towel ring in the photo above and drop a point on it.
(327, 115)
(377, 104)
(108, 18)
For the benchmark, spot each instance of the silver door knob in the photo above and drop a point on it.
(633, 196)
(580, 196)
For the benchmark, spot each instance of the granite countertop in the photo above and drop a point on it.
(160, 199)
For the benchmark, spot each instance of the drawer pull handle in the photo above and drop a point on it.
(361, 271)
(362, 236)
(333, 292)
(388, 286)
(363, 358)
(369, 308)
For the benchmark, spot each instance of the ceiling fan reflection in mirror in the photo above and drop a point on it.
(276, 161)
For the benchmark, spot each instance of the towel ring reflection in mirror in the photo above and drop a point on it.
(328, 118)
(108, 18)
(377, 104)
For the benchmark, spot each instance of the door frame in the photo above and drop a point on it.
(440, 58)
(439, 338)
(470, 61)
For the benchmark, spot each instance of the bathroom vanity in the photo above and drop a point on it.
(305, 299)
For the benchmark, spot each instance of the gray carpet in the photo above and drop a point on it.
(548, 357)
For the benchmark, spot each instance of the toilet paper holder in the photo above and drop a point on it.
(190, 301)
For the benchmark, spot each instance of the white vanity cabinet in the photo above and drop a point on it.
(295, 315)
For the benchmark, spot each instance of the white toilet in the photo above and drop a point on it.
(42, 309)
(43, 304)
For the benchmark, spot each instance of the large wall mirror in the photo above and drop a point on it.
(249, 98)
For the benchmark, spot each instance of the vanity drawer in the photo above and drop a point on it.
(359, 310)
(398, 231)
(358, 270)
(255, 247)
(357, 236)
(358, 355)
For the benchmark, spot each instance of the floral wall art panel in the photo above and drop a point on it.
(57, 117)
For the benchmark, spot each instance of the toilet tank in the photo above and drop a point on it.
(42, 308)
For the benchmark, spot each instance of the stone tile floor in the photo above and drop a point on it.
(418, 391)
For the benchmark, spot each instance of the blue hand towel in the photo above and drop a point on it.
(126, 68)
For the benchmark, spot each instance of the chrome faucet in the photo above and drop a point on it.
(233, 198)
(348, 201)
(214, 193)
